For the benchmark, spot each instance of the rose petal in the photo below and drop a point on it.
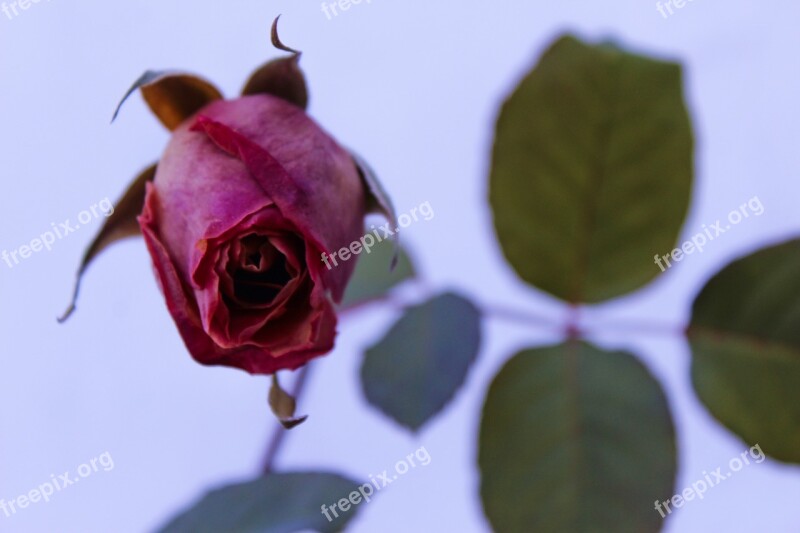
(253, 359)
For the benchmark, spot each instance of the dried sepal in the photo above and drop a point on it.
(280, 77)
(283, 405)
(119, 225)
(276, 41)
(377, 198)
(172, 96)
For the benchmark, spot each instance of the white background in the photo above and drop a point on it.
(415, 87)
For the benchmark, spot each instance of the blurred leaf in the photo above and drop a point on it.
(121, 224)
(277, 503)
(575, 439)
(172, 96)
(591, 170)
(745, 339)
(373, 277)
(419, 365)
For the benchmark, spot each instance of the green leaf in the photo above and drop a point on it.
(591, 171)
(575, 439)
(745, 339)
(277, 503)
(373, 276)
(419, 365)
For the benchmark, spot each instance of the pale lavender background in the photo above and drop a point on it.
(415, 86)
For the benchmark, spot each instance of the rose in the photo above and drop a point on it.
(248, 196)
(239, 215)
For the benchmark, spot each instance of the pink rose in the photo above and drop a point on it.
(248, 196)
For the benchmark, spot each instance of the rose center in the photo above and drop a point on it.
(260, 273)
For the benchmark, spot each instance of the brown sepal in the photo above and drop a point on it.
(119, 225)
(172, 96)
(283, 405)
(280, 77)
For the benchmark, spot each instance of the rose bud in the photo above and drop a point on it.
(248, 197)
